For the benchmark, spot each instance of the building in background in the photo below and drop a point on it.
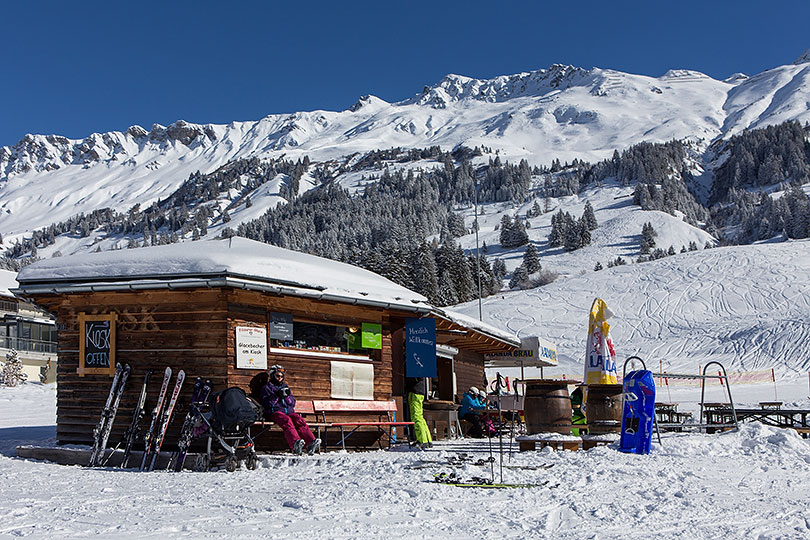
(27, 329)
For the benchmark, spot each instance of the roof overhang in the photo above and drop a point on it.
(481, 338)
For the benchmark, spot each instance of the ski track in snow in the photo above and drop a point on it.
(747, 307)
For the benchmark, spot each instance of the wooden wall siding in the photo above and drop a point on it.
(194, 330)
(180, 329)
(308, 377)
(398, 357)
(469, 371)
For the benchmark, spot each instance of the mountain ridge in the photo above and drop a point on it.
(562, 112)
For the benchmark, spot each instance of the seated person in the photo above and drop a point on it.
(279, 407)
(471, 409)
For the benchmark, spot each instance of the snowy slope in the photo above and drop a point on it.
(618, 234)
(561, 112)
(747, 307)
(771, 97)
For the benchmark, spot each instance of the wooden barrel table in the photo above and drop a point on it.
(603, 408)
(547, 407)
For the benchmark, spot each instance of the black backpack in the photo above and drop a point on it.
(234, 410)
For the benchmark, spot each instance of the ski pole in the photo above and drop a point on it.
(500, 421)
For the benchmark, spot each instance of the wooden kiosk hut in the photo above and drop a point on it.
(227, 309)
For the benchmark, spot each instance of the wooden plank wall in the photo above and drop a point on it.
(194, 330)
(155, 329)
(469, 368)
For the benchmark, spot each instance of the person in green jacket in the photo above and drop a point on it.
(577, 416)
(416, 389)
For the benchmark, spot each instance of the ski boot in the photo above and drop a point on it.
(298, 447)
(313, 447)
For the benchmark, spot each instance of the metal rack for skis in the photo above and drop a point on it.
(721, 376)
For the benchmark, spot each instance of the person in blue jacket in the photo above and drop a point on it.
(471, 410)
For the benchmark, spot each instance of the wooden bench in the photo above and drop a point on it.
(770, 405)
(384, 410)
(304, 408)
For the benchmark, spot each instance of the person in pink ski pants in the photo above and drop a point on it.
(279, 406)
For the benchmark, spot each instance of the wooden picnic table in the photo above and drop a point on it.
(785, 418)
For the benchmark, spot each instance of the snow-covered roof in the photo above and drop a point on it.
(474, 324)
(236, 258)
(235, 262)
(8, 281)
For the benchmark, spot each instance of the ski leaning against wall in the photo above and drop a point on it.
(600, 355)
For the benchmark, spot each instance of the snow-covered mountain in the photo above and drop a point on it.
(561, 112)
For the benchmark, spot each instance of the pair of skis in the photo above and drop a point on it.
(161, 417)
(451, 479)
(199, 396)
(101, 433)
(131, 433)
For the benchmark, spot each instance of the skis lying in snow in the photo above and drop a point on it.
(149, 436)
(198, 397)
(166, 419)
(101, 433)
(451, 479)
(465, 459)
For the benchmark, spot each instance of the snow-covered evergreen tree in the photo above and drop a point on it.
(11, 372)
(499, 269)
(589, 217)
(531, 260)
(446, 295)
(520, 278)
(648, 235)
(425, 274)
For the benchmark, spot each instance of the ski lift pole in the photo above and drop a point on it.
(512, 422)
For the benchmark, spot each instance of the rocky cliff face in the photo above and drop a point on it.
(43, 153)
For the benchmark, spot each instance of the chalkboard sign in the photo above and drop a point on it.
(97, 344)
(281, 326)
(420, 348)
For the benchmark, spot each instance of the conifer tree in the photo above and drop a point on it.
(589, 217)
(648, 235)
(423, 269)
(11, 371)
(446, 295)
(520, 278)
(455, 225)
(584, 232)
(531, 260)
(499, 269)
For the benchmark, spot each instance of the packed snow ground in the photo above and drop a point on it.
(748, 484)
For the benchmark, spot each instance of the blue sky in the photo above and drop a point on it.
(73, 68)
